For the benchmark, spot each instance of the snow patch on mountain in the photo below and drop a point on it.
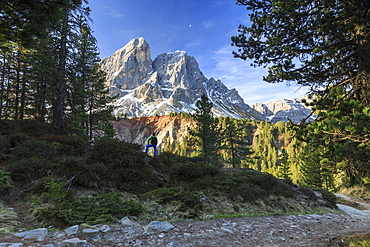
(293, 110)
(173, 82)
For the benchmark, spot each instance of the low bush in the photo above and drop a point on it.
(53, 191)
(68, 166)
(267, 182)
(16, 139)
(248, 185)
(37, 149)
(8, 127)
(68, 145)
(28, 169)
(4, 143)
(116, 154)
(31, 128)
(120, 165)
(103, 208)
(234, 186)
(187, 201)
(6, 182)
(190, 171)
(34, 128)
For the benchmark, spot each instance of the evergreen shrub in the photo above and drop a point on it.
(236, 186)
(68, 145)
(187, 201)
(34, 128)
(28, 169)
(31, 128)
(8, 127)
(169, 159)
(190, 171)
(16, 139)
(117, 154)
(53, 191)
(103, 208)
(67, 166)
(120, 165)
(6, 182)
(248, 185)
(268, 182)
(4, 142)
(35, 148)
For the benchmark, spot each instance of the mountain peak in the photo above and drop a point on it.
(136, 43)
(173, 82)
(284, 110)
(128, 66)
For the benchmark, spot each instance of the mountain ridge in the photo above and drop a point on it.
(173, 82)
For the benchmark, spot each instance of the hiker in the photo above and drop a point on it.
(152, 142)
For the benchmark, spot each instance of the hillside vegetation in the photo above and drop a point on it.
(280, 149)
(62, 180)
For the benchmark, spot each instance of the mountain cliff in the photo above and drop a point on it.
(168, 129)
(285, 110)
(172, 82)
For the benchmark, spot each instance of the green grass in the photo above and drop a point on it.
(361, 240)
(318, 211)
(8, 220)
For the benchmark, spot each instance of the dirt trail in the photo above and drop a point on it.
(314, 230)
(355, 207)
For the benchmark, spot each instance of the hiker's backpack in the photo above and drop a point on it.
(153, 140)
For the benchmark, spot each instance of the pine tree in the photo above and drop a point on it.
(43, 71)
(87, 95)
(284, 171)
(14, 84)
(264, 148)
(339, 138)
(206, 131)
(6, 56)
(57, 78)
(23, 22)
(313, 43)
(325, 47)
(234, 142)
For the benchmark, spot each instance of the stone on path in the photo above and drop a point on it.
(39, 234)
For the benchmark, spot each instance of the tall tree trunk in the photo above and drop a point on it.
(59, 107)
(23, 99)
(17, 85)
(2, 86)
(23, 91)
(40, 98)
(90, 124)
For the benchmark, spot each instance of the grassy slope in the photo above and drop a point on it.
(64, 174)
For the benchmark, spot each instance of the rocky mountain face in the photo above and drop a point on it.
(172, 82)
(285, 110)
(168, 129)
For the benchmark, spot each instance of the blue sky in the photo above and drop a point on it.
(202, 28)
